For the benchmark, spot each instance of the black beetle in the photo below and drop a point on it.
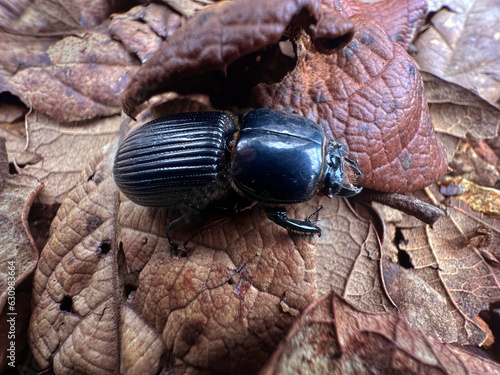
(274, 158)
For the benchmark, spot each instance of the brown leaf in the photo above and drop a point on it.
(452, 266)
(82, 78)
(80, 316)
(369, 96)
(462, 46)
(222, 33)
(222, 307)
(142, 28)
(348, 258)
(476, 161)
(41, 17)
(459, 112)
(332, 337)
(18, 251)
(188, 7)
(57, 152)
(400, 19)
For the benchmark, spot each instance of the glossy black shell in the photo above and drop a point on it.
(278, 157)
(176, 159)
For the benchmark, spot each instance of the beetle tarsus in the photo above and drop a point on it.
(278, 215)
(308, 219)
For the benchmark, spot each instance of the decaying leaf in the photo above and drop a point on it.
(348, 258)
(401, 19)
(459, 112)
(142, 28)
(453, 263)
(18, 253)
(41, 17)
(332, 337)
(80, 317)
(18, 256)
(462, 46)
(226, 31)
(57, 152)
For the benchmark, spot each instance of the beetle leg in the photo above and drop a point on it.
(179, 221)
(278, 215)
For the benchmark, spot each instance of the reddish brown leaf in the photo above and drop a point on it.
(369, 96)
(400, 19)
(224, 32)
(332, 337)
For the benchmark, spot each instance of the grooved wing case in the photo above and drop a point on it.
(176, 159)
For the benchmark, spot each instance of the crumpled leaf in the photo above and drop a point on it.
(77, 77)
(369, 97)
(332, 337)
(462, 46)
(18, 251)
(450, 266)
(224, 32)
(142, 28)
(45, 17)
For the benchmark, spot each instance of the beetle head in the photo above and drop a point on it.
(341, 173)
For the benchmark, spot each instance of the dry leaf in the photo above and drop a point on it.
(450, 264)
(462, 46)
(368, 96)
(332, 337)
(142, 28)
(41, 17)
(57, 153)
(18, 252)
(223, 33)
(18, 256)
(401, 19)
(459, 112)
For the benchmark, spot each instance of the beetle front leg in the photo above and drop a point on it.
(278, 215)
(185, 218)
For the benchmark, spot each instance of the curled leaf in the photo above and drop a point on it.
(219, 35)
(332, 337)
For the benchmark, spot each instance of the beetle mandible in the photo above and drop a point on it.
(274, 158)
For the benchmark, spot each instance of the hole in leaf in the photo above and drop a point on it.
(104, 248)
(404, 259)
(12, 169)
(66, 304)
(129, 289)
